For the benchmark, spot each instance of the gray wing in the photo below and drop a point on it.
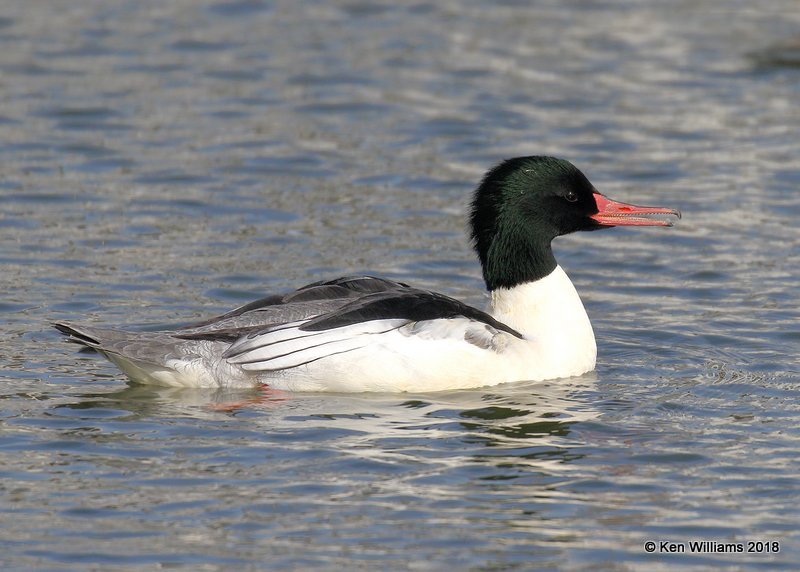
(313, 300)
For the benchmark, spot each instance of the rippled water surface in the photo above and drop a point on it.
(166, 161)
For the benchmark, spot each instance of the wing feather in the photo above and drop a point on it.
(410, 304)
(289, 346)
(310, 301)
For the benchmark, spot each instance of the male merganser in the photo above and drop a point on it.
(370, 334)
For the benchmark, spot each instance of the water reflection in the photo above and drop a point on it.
(513, 429)
(782, 54)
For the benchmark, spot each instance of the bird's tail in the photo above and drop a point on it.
(143, 357)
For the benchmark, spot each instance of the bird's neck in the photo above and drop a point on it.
(549, 312)
(515, 255)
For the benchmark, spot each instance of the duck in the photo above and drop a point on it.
(371, 334)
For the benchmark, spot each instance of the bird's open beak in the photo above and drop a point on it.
(613, 213)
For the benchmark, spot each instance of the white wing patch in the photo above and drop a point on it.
(288, 346)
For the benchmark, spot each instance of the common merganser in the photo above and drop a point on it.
(364, 333)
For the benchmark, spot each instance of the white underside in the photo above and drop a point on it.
(391, 355)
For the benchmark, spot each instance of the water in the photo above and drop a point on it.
(163, 162)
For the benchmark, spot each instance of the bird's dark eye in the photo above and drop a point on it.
(571, 196)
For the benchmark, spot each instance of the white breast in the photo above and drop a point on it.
(559, 340)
